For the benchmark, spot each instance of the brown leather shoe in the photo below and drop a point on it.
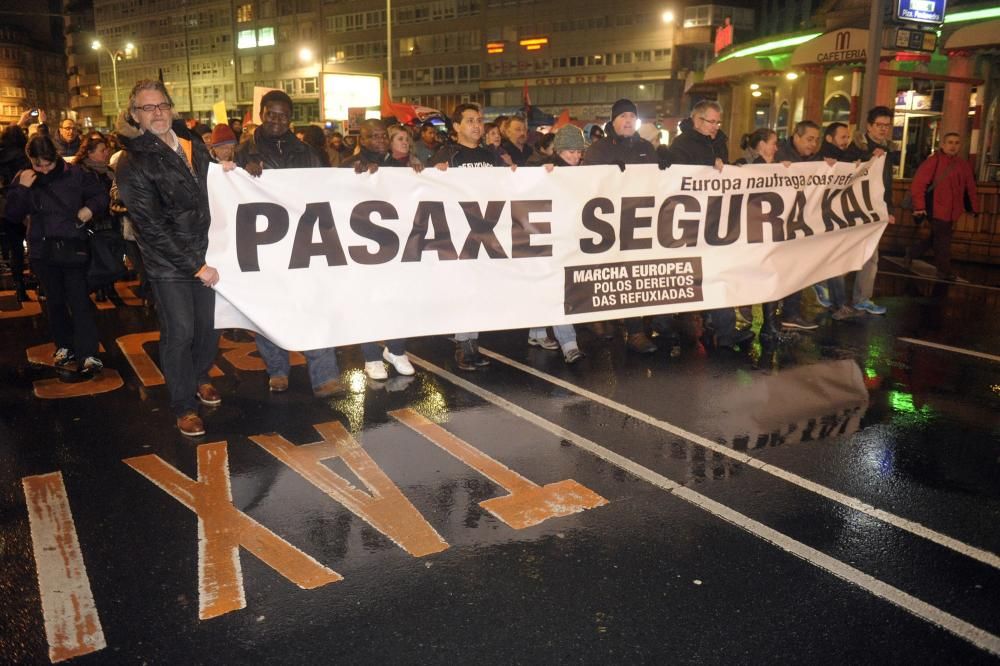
(640, 342)
(277, 384)
(208, 395)
(330, 389)
(191, 425)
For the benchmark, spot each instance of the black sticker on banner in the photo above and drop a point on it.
(632, 284)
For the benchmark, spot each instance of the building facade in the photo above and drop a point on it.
(32, 67)
(577, 55)
(82, 64)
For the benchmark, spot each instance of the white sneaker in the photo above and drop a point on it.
(401, 363)
(376, 370)
(63, 356)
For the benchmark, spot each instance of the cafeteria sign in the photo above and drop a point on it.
(921, 11)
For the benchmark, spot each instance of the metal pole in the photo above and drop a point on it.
(187, 56)
(388, 47)
(114, 75)
(870, 90)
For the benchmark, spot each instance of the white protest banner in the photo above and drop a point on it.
(324, 257)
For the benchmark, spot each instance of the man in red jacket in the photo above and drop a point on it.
(943, 188)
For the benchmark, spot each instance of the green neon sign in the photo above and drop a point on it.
(972, 15)
(771, 46)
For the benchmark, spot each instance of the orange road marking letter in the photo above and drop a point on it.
(72, 625)
(241, 355)
(222, 529)
(54, 388)
(30, 308)
(385, 508)
(142, 364)
(528, 503)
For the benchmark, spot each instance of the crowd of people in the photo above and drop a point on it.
(147, 181)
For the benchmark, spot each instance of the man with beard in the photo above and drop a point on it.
(273, 146)
(163, 180)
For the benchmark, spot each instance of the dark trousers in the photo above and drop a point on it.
(135, 258)
(791, 305)
(70, 312)
(940, 239)
(14, 245)
(188, 339)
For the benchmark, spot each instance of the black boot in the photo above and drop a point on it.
(20, 292)
(465, 355)
(477, 358)
(771, 329)
(100, 295)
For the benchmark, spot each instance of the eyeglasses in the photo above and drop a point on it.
(149, 108)
(717, 123)
(883, 125)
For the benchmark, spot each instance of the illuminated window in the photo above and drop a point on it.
(265, 37)
(244, 13)
(246, 39)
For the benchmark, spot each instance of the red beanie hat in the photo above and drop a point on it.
(222, 135)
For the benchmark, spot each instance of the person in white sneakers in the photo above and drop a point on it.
(394, 353)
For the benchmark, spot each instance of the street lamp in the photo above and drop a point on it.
(114, 55)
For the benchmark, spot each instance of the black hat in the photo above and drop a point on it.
(622, 106)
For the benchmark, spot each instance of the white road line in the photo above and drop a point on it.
(72, 625)
(981, 638)
(913, 527)
(914, 276)
(957, 350)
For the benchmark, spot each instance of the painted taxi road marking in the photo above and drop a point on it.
(967, 631)
(385, 508)
(54, 388)
(222, 529)
(30, 308)
(72, 625)
(142, 364)
(527, 503)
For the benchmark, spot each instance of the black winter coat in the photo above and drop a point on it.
(693, 147)
(862, 147)
(616, 149)
(788, 153)
(168, 205)
(53, 201)
(283, 152)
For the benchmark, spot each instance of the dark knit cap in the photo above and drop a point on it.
(622, 106)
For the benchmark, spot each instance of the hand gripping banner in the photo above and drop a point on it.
(324, 257)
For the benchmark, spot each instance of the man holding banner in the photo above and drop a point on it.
(162, 178)
(273, 146)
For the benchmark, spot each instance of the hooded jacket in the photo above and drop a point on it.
(282, 152)
(621, 150)
(167, 203)
(53, 201)
(693, 147)
(955, 191)
(364, 158)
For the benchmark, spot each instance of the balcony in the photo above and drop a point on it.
(697, 36)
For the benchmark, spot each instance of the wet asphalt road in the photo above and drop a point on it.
(837, 501)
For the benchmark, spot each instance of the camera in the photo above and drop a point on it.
(33, 113)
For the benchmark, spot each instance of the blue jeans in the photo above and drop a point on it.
(864, 280)
(837, 286)
(565, 335)
(321, 363)
(189, 341)
(372, 351)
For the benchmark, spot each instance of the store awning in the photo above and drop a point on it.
(835, 47)
(737, 67)
(976, 36)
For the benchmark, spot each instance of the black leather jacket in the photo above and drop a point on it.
(167, 203)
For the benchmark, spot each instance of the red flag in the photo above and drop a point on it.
(563, 119)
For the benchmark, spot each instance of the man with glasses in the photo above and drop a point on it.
(68, 139)
(274, 146)
(876, 141)
(703, 143)
(163, 180)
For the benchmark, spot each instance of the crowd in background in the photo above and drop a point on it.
(144, 182)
